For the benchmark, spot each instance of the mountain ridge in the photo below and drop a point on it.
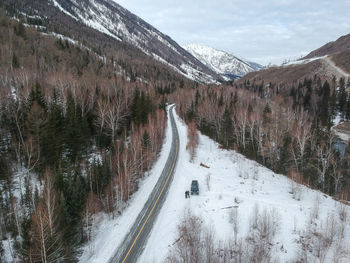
(227, 65)
(123, 27)
(340, 45)
(327, 62)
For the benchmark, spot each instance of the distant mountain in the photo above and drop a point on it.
(340, 45)
(223, 63)
(329, 61)
(120, 25)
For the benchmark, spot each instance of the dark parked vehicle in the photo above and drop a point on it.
(194, 187)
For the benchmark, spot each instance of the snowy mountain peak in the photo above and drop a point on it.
(109, 18)
(205, 50)
(223, 63)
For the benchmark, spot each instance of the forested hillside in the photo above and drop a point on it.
(78, 130)
(287, 129)
(112, 31)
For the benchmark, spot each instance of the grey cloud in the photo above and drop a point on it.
(261, 31)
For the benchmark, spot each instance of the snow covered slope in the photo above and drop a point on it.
(223, 63)
(115, 21)
(235, 183)
(304, 217)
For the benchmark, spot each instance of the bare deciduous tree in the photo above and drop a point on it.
(115, 114)
(324, 154)
(47, 241)
(192, 139)
(301, 135)
(263, 228)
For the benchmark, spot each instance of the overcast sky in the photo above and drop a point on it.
(262, 31)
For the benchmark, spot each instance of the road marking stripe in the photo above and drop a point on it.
(156, 202)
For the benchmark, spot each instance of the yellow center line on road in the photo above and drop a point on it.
(155, 203)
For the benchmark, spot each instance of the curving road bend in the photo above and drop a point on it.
(135, 241)
(337, 70)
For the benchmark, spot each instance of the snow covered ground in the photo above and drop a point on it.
(302, 61)
(231, 182)
(109, 233)
(343, 135)
(238, 183)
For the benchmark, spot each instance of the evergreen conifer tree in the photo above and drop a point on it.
(226, 136)
(53, 136)
(146, 140)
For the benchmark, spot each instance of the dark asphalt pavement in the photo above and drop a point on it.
(135, 241)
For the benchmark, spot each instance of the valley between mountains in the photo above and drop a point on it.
(119, 144)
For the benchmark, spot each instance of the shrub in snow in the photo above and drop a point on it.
(255, 173)
(237, 200)
(234, 220)
(317, 239)
(315, 210)
(263, 228)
